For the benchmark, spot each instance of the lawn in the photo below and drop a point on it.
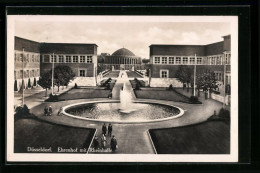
(84, 93)
(211, 137)
(160, 94)
(132, 74)
(112, 74)
(34, 133)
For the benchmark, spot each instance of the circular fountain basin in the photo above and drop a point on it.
(110, 111)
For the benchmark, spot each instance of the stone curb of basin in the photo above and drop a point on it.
(122, 122)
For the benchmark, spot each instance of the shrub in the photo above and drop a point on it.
(53, 98)
(29, 83)
(34, 82)
(224, 114)
(15, 85)
(170, 87)
(22, 112)
(137, 86)
(194, 99)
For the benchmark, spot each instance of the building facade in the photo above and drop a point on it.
(122, 59)
(166, 59)
(82, 58)
(26, 63)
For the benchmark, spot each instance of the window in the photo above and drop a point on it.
(157, 60)
(68, 58)
(199, 60)
(21, 74)
(89, 59)
(60, 58)
(212, 61)
(27, 73)
(32, 58)
(82, 73)
(164, 73)
(171, 60)
(75, 58)
(38, 72)
(82, 58)
(164, 60)
(33, 73)
(53, 59)
(178, 60)
(185, 60)
(192, 60)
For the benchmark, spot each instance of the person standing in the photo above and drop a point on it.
(95, 143)
(104, 129)
(110, 128)
(45, 111)
(103, 141)
(50, 110)
(113, 143)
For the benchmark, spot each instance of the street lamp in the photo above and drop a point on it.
(23, 80)
(224, 80)
(52, 75)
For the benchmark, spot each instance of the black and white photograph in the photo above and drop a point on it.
(92, 88)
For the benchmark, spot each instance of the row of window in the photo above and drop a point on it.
(27, 73)
(68, 59)
(212, 60)
(28, 57)
(165, 74)
(177, 60)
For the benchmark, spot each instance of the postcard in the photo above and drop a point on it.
(122, 88)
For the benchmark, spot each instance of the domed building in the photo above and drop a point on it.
(122, 59)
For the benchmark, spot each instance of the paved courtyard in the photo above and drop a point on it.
(132, 138)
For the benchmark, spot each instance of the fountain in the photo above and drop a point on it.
(126, 104)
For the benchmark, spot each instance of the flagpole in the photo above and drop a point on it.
(52, 75)
(23, 82)
(194, 76)
(224, 81)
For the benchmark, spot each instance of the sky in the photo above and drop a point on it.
(111, 36)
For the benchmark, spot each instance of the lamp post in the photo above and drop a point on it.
(23, 80)
(194, 90)
(224, 80)
(52, 74)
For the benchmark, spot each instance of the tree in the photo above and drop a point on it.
(29, 83)
(15, 85)
(205, 80)
(184, 75)
(62, 75)
(34, 82)
(45, 81)
(145, 61)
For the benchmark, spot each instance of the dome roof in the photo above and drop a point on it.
(123, 52)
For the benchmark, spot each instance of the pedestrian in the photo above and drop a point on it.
(110, 128)
(104, 129)
(103, 141)
(113, 143)
(45, 111)
(95, 143)
(60, 111)
(50, 110)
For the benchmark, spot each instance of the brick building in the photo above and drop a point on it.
(166, 59)
(82, 58)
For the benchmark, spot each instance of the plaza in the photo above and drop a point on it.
(136, 137)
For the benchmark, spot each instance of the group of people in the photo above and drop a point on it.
(48, 111)
(106, 131)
